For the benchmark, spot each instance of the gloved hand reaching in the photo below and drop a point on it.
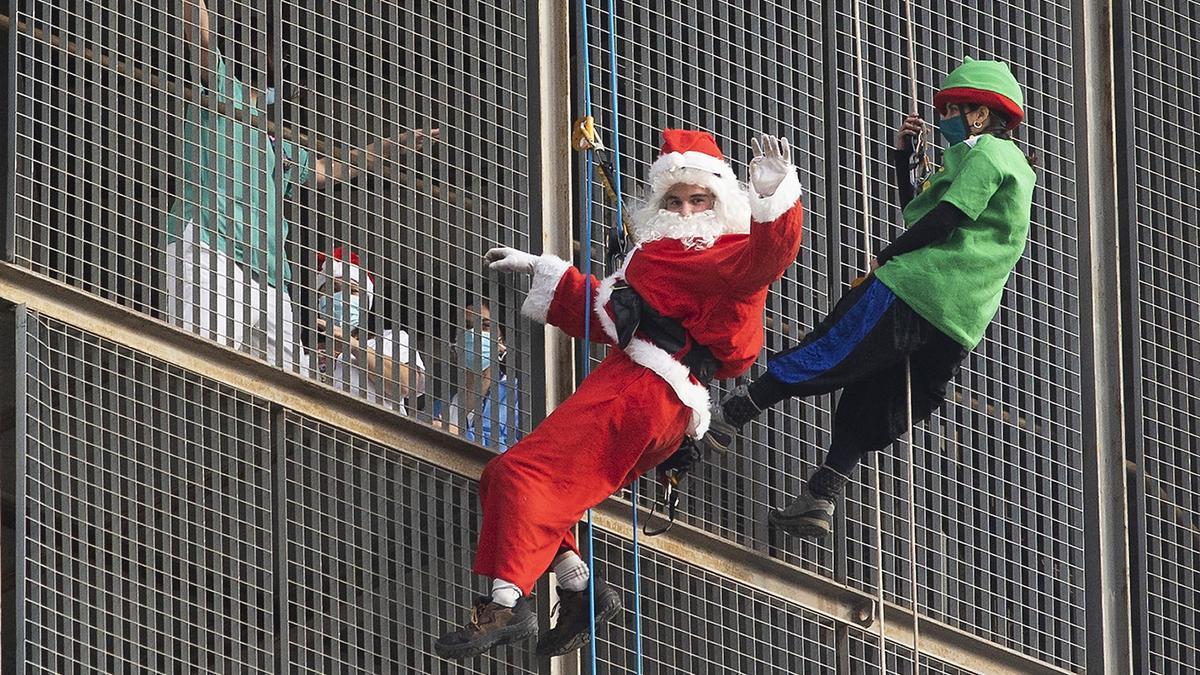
(771, 163)
(505, 259)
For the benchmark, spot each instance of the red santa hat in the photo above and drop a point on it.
(694, 158)
(336, 266)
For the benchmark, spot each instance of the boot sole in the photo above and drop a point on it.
(802, 526)
(608, 604)
(505, 636)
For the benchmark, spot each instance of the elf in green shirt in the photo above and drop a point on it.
(929, 298)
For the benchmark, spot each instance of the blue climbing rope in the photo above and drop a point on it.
(586, 366)
(588, 204)
(614, 98)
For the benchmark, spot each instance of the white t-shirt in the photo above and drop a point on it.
(344, 372)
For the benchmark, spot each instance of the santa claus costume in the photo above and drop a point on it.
(685, 306)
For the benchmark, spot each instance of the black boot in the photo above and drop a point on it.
(491, 625)
(811, 514)
(728, 417)
(573, 631)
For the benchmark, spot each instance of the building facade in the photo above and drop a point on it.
(181, 500)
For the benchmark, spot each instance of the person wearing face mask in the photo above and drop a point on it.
(376, 368)
(685, 306)
(227, 272)
(929, 297)
(487, 393)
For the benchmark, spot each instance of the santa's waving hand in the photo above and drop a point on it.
(685, 307)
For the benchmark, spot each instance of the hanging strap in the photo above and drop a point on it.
(919, 169)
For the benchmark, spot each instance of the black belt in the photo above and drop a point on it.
(633, 314)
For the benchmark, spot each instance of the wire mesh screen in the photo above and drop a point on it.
(999, 489)
(863, 657)
(736, 70)
(1165, 53)
(379, 550)
(313, 188)
(1010, 438)
(998, 470)
(694, 621)
(148, 514)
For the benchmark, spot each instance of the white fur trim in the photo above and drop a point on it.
(767, 209)
(547, 272)
(656, 359)
(604, 294)
(732, 199)
(690, 393)
(673, 161)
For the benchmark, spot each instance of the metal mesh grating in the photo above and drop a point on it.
(694, 621)
(380, 548)
(999, 483)
(149, 544)
(1165, 67)
(863, 657)
(118, 123)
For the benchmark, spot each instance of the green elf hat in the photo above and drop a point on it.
(988, 83)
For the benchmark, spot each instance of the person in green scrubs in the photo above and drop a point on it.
(227, 269)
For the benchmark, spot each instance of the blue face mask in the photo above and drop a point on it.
(953, 129)
(477, 350)
(333, 315)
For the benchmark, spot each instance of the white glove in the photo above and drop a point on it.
(505, 259)
(771, 164)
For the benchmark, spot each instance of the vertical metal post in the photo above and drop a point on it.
(833, 234)
(13, 320)
(1106, 567)
(550, 212)
(274, 119)
(8, 133)
(278, 444)
(1125, 193)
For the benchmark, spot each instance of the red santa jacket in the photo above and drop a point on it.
(718, 294)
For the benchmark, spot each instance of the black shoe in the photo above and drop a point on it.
(572, 631)
(727, 419)
(807, 516)
(491, 625)
(811, 514)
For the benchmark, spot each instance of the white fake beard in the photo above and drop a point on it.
(697, 231)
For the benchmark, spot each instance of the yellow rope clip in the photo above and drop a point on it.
(584, 136)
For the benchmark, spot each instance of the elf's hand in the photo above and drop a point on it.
(505, 259)
(910, 131)
(771, 164)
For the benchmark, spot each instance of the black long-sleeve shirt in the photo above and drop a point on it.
(934, 227)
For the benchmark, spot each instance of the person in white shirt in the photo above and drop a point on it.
(381, 367)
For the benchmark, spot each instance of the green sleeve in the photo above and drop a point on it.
(299, 171)
(219, 74)
(303, 163)
(974, 185)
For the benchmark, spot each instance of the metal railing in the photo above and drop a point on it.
(146, 173)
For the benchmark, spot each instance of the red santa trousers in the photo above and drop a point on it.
(621, 422)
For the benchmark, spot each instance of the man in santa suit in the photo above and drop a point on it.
(686, 306)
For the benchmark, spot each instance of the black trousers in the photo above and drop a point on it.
(861, 348)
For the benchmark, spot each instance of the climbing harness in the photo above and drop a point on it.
(670, 474)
